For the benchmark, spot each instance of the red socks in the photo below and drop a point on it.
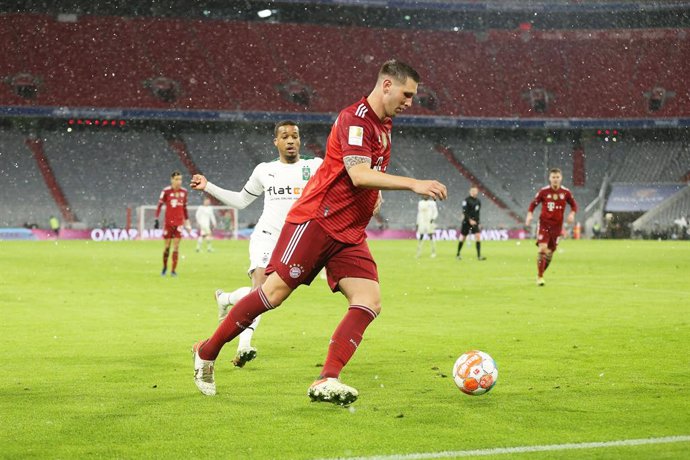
(541, 264)
(166, 253)
(548, 261)
(175, 255)
(346, 339)
(239, 318)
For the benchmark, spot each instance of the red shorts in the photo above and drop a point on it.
(172, 231)
(549, 234)
(304, 249)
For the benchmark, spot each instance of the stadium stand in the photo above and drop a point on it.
(514, 169)
(166, 63)
(648, 162)
(104, 173)
(418, 157)
(24, 196)
(231, 65)
(664, 215)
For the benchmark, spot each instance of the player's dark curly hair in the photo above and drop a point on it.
(175, 174)
(399, 70)
(284, 123)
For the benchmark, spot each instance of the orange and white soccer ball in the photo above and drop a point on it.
(475, 373)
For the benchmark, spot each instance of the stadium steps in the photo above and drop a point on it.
(666, 212)
(36, 148)
(179, 146)
(452, 159)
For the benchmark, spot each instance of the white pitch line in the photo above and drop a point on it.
(526, 449)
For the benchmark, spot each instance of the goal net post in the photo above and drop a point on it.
(226, 222)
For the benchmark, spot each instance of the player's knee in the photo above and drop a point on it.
(376, 308)
(275, 290)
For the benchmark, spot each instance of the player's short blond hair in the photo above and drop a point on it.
(555, 171)
(399, 71)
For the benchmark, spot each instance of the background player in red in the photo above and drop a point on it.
(553, 199)
(174, 198)
(326, 227)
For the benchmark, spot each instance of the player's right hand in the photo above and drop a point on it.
(431, 188)
(198, 182)
(156, 224)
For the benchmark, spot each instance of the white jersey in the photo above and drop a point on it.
(282, 184)
(426, 212)
(205, 217)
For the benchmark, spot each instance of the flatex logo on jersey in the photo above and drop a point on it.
(284, 191)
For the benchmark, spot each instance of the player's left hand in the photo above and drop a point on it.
(377, 206)
(431, 188)
(198, 182)
(187, 225)
(571, 218)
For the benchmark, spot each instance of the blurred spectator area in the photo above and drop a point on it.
(250, 66)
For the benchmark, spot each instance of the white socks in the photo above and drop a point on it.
(231, 298)
(246, 335)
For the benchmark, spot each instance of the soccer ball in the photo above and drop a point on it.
(475, 373)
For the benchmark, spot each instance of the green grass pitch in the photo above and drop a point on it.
(96, 355)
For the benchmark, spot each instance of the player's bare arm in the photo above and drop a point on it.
(359, 169)
(377, 206)
(528, 219)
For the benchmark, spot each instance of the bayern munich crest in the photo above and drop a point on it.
(296, 271)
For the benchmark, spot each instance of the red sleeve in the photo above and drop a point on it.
(571, 201)
(161, 201)
(355, 135)
(535, 202)
(184, 209)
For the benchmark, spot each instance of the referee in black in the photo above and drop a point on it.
(470, 222)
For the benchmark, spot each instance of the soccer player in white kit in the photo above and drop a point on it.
(427, 212)
(206, 220)
(281, 182)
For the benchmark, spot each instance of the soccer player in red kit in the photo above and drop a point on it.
(326, 227)
(174, 198)
(553, 199)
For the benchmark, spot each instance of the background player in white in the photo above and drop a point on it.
(281, 182)
(206, 220)
(427, 213)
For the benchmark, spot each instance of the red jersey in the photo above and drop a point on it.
(175, 202)
(330, 197)
(553, 205)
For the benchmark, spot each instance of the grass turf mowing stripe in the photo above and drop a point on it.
(526, 449)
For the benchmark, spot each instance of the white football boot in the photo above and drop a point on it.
(203, 373)
(243, 356)
(540, 281)
(332, 390)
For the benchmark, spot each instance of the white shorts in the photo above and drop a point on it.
(205, 230)
(426, 228)
(261, 246)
